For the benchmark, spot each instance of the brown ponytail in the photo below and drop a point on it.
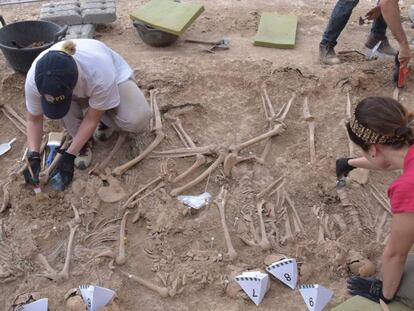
(381, 120)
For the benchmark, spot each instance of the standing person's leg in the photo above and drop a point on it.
(339, 18)
(378, 32)
(133, 114)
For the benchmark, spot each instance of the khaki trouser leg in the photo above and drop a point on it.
(133, 114)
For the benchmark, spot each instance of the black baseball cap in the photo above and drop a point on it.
(56, 75)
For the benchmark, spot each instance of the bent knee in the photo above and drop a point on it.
(138, 121)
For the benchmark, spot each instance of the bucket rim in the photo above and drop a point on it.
(41, 48)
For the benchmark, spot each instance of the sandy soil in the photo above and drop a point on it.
(217, 98)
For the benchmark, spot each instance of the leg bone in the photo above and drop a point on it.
(221, 203)
(120, 259)
(264, 243)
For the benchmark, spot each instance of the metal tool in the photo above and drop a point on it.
(6, 146)
(223, 44)
(372, 53)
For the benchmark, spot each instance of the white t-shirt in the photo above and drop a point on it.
(100, 71)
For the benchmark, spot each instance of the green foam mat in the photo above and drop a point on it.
(358, 303)
(277, 31)
(167, 15)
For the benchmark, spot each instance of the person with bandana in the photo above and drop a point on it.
(384, 130)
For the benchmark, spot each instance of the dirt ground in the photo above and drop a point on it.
(218, 99)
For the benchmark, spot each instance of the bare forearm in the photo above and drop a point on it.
(84, 133)
(393, 268)
(34, 132)
(391, 13)
(362, 162)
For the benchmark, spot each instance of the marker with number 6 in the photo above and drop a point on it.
(286, 271)
(315, 296)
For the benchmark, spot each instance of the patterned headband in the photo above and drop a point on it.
(371, 137)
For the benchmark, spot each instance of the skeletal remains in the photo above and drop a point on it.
(156, 126)
(311, 125)
(226, 156)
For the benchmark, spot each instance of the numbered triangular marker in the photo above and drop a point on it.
(316, 297)
(38, 305)
(254, 283)
(286, 271)
(95, 297)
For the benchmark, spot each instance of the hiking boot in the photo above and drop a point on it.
(103, 132)
(327, 55)
(384, 48)
(84, 158)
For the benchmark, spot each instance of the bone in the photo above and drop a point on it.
(200, 160)
(121, 259)
(45, 175)
(186, 152)
(13, 112)
(121, 139)
(63, 275)
(156, 126)
(42, 259)
(201, 177)
(269, 187)
(6, 198)
(162, 291)
(321, 232)
(42, 148)
(159, 186)
(377, 195)
(348, 207)
(16, 123)
(232, 160)
(77, 219)
(142, 189)
(295, 213)
(221, 204)
(311, 126)
(264, 242)
(396, 93)
(277, 130)
(288, 230)
(189, 143)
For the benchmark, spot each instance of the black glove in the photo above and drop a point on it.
(66, 167)
(366, 287)
(342, 167)
(34, 162)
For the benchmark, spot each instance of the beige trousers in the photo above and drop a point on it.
(132, 115)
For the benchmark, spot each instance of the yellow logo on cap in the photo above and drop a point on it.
(52, 99)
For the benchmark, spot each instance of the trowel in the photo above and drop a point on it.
(223, 44)
(6, 146)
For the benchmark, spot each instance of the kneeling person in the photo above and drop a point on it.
(90, 88)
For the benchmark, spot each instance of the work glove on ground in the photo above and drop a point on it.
(366, 287)
(34, 162)
(343, 168)
(66, 167)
